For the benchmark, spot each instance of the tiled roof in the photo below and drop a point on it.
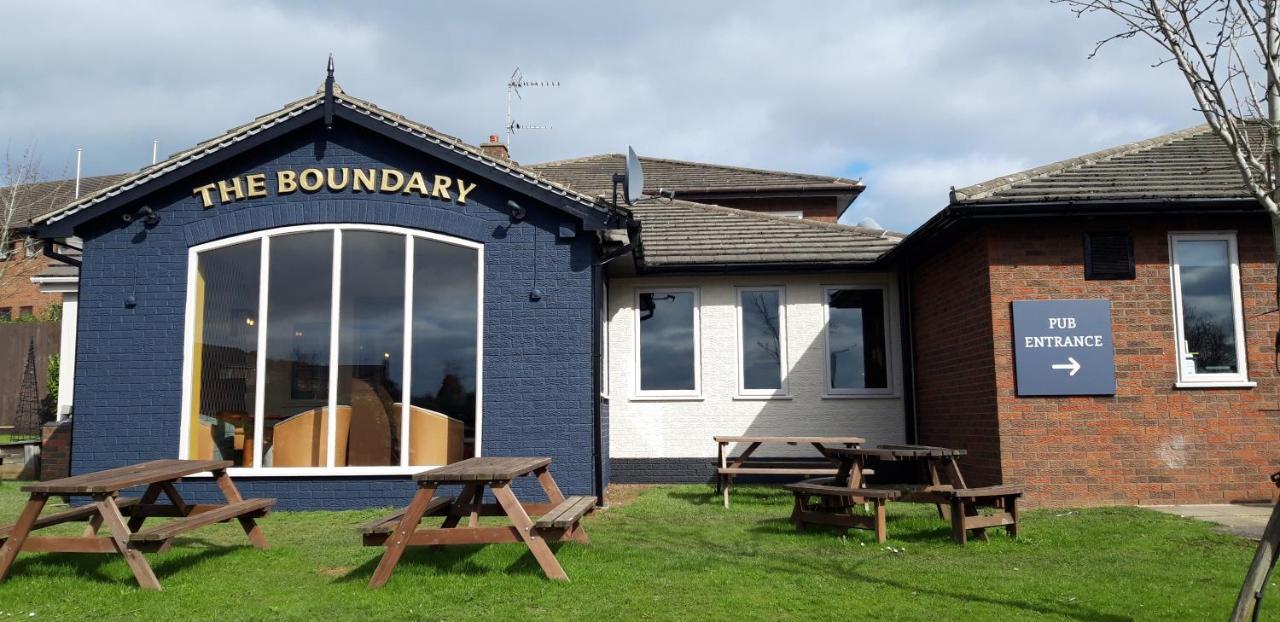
(594, 175)
(292, 110)
(1186, 165)
(681, 234)
(43, 197)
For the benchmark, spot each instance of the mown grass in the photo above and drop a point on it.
(672, 553)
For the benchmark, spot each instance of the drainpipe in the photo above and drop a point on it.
(908, 350)
(597, 402)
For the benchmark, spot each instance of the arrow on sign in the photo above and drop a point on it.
(1071, 365)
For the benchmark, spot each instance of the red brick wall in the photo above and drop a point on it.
(16, 288)
(1151, 442)
(955, 373)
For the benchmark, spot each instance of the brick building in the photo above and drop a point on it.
(620, 339)
(25, 257)
(1163, 230)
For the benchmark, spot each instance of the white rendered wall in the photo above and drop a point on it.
(67, 354)
(683, 428)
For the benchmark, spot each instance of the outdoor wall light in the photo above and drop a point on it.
(517, 211)
(148, 216)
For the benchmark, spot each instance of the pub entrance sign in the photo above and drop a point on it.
(1063, 347)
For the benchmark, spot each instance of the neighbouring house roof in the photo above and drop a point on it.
(680, 235)
(42, 197)
(1185, 165)
(594, 175)
(348, 107)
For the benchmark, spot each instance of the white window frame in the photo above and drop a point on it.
(1188, 378)
(788, 213)
(604, 339)
(829, 391)
(260, 396)
(781, 391)
(696, 393)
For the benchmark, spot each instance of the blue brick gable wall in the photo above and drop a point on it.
(537, 390)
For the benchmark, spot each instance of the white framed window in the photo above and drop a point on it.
(858, 358)
(1208, 319)
(762, 341)
(333, 349)
(668, 355)
(789, 213)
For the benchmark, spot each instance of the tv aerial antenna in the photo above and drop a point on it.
(514, 84)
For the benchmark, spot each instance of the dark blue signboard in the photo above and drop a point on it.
(1063, 347)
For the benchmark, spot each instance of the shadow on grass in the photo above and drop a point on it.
(756, 495)
(814, 569)
(452, 559)
(89, 566)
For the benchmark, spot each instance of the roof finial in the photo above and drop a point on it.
(328, 94)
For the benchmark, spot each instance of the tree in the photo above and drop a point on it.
(22, 196)
(1228, 51)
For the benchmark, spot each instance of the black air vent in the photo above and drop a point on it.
(1108, 256)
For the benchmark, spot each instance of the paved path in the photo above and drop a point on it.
(1241, 519)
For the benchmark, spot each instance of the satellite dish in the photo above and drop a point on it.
(870, 223)
(633, 179)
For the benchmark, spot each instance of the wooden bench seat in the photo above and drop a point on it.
(566, 514)
(836, 506)
(825, 487)
(167, 531)
(966, 517)
(66, 516)
(387, 524)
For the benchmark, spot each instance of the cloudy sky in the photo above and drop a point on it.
(911, 97)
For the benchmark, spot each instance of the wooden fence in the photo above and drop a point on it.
(14, 341)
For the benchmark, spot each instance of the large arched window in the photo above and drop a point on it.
(333, 348)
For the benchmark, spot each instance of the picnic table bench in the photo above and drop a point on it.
(729, 467)
(558, 519)
(109, 510)
(946, 488)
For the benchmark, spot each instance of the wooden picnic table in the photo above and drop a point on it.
(558, 518)
(109, 510)
(733, 466)
(939, 464)
(955, 500)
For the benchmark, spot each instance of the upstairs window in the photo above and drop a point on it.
(857, 342)
(667, 347)
(1207, 309)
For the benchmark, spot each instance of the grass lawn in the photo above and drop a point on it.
(670, 553)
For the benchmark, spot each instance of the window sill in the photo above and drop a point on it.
(1216, 384)
(860, 396)
(762, 398)
(667, 398)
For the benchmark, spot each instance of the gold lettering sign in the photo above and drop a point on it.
(309, 180)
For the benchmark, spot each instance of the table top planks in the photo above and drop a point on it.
(835, 440)
(117, 479)
(483, 469)
(896, 452)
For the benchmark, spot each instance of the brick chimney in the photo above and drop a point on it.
(495, 149)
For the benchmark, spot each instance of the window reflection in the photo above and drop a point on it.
(667, 344)
(225, 341)
(295, 418)
(761, 340)
(1208, 312)
(369, 408)
(856, 346)
(442, 415)
(371, 344)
